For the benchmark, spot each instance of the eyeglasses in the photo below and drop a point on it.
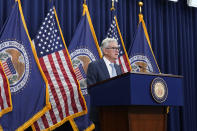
(113, 48)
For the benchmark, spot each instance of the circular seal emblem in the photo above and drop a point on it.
(80, 59)
(140, 63)
(159, 90)
(15, 61)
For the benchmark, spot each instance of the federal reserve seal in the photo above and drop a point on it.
(80, 59)
(15, 61)
(159, 90)
(140, 63)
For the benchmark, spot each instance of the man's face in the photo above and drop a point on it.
(112, 51)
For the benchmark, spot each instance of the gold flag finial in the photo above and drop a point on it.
(85, 2)
(140, 4)
(112, 6)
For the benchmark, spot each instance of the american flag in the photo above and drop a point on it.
(65, 96)
(80, 73)
(113, 32)
(8, 67)
(5, 96)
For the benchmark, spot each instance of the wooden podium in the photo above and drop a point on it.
(127, 104)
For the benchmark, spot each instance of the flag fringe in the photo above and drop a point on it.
(62, 122)
(75, 128)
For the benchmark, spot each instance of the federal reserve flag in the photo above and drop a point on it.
(65, 96)
(83, 50)
(5, 95)
(114, 32)
(28, 88)
(141, 55)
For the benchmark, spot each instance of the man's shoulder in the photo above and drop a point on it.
(97, 62)
(95, 65)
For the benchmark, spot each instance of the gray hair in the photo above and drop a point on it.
(106, 42)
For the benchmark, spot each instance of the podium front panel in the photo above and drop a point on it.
(135, 89)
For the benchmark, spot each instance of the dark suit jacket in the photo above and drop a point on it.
(97, 71)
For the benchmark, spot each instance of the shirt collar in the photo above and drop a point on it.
(106, 61)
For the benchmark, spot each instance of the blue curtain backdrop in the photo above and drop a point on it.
(172, 28)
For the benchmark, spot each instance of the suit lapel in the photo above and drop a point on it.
(104, 69)
(117, 69)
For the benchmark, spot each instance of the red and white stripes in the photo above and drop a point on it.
(122, 61)
(5, 99)
(78, 74)
(65, 97)
(6, 69)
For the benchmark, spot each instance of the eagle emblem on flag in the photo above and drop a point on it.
(141, 63)
(16, 63)
(80, 60)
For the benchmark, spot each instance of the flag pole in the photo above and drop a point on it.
(118, 29)
(146, 32)
(112, 5)
(140, 5)
(140, 14)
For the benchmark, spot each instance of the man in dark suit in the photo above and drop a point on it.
(103, 69)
